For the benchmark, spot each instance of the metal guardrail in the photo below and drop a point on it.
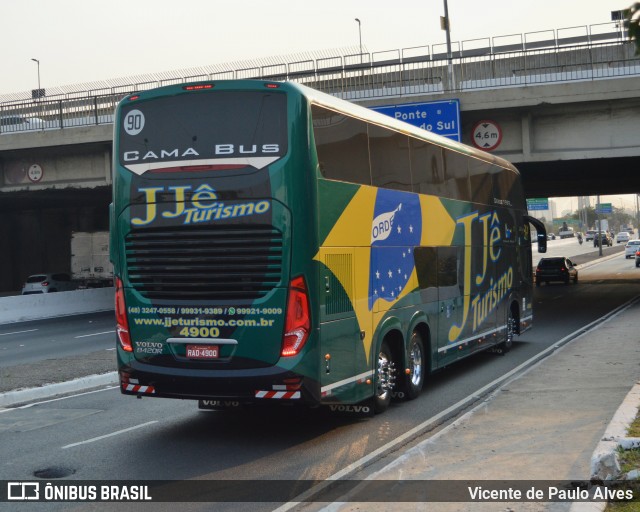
(536, 58)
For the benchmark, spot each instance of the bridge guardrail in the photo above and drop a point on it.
(477, 64)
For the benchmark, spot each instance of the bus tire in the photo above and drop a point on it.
(384, 379)
(507, 344)
(416, 359)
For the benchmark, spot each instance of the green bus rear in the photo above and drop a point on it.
(272, 244)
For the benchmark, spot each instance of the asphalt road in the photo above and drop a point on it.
(28, 342)
(104, 435)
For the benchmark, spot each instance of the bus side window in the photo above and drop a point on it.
(426, 260)
(506, 184)
(390, 164)
(437, 270)
(456, 176)
(342, 146)
(426, 167)
(481, 181)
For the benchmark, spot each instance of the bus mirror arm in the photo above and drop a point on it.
(541, 230)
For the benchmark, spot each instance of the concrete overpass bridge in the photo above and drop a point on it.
(566, 105)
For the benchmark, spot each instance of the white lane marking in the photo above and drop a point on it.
(27, 406)
(17, 332)
(94, 334)
(116, 433)
(422, 427)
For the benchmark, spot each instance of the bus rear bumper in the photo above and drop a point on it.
(258, 385)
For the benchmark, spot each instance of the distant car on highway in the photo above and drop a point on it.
(631, 248)
(623, 236)
(590, 234)
(48, 283)
(551, 236)
(556, 269)
(20, 123)
(606, 240)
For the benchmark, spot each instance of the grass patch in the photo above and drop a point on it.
(622, 507)
(629, 460)
(634, 428)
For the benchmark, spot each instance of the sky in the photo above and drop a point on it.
(84, 41)
(81, 41)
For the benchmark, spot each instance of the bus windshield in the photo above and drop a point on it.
(227, 129)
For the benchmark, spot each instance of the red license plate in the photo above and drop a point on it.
(203, 351)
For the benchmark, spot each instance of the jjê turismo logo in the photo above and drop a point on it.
(194, 206)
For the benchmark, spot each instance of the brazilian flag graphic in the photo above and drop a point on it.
(395, 231)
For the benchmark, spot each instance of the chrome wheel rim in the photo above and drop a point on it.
(385, 375)
(415, 364)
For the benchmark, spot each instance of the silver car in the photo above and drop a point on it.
(48, 283)
(631, 248)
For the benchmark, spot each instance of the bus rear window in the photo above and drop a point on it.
(219, 128)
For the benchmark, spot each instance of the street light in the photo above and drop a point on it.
(360, 37)
(39, 93)
(446, 26)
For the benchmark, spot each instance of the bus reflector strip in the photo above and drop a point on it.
(257, 162)
(358, 379)
(282, 395)
(137, 388)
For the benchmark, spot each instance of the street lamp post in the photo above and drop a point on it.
(446, 25)
(360, 37)
(39, 93)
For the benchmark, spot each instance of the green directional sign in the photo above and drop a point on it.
(538, 203)
(604, 208)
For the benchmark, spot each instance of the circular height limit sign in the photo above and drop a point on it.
(486, 135)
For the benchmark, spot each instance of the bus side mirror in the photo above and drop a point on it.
(542, 242)
(540, 230)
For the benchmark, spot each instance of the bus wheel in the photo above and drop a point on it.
(384, 379)
(506, 345)
(416, 365)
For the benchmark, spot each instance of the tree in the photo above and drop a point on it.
(632, 16)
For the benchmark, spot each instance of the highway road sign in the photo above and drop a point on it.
(538, 203)
(441, 117)
(604, 208)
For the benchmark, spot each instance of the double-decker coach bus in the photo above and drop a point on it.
(273, 244)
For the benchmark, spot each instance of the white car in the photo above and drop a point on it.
(631, 248)
(20, 123)
(48, 283)
(623, 236)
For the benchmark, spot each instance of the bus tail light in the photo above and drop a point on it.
(122, 325)
(197, 87)
(298, 320)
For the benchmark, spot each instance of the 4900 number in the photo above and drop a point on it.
(200, 332)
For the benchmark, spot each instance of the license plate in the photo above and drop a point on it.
(203, 351)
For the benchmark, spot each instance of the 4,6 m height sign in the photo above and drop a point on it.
(486, 135)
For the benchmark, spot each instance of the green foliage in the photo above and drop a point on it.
(632, 16)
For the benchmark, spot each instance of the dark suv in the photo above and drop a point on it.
(556, 269)
(606, 239)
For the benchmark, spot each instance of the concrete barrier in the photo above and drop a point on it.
(48, 305)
